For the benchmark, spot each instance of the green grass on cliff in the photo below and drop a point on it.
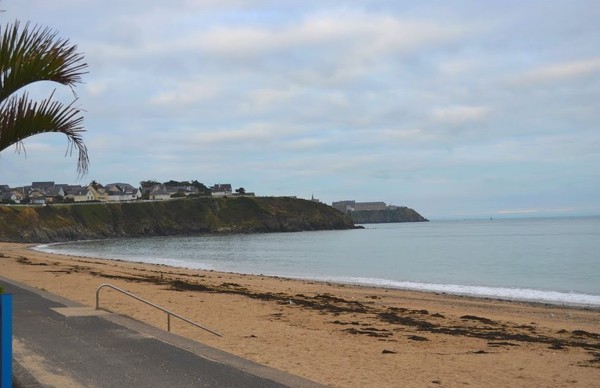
(186, 216)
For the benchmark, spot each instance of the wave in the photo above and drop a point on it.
(505, 293)
(517, 294)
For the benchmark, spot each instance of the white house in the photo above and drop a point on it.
(81, 195)
(221, 190)
(121, 192)
(160, 193)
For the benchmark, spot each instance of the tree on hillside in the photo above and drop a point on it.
(32, 54)
(173, 183)
(202, 189)
(149, 183)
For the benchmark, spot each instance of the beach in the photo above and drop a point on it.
(338, 335)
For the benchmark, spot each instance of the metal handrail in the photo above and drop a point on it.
(169, 313)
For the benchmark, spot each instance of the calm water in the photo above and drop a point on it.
(553, 260)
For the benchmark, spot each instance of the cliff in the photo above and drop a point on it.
(401, 214)
(189, 216)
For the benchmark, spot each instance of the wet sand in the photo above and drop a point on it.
(339, 335)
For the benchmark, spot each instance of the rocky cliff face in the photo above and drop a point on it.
(189, 216)
(401, 214)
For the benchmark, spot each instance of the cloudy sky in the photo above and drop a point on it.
(457, 109)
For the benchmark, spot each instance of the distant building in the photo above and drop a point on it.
(221, 190)
(83, 194)
(49, 192)
(182, 190)
(122, 192)
(10, 197)
(119, 187)
(159, 193)
(37, 197)
(55, 193)
(73, 189)
(369, 206)
(42, 185)
(98, 192)
(353, 206)
(344, 206)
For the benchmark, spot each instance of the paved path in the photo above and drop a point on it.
(58, 343)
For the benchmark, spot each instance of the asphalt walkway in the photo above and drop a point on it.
(60, 343)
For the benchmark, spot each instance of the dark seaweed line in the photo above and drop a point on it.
(335, 305)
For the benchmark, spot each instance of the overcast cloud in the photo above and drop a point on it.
(455, 108)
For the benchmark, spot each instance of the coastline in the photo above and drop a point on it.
(570, 298)
(340, 334)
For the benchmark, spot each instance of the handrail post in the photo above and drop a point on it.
(168, 322)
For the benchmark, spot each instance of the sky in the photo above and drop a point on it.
(457, 109)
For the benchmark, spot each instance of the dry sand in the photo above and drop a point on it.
(339, 335)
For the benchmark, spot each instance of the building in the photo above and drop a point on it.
(360, 206)
(344, 206)
(42, 185)
(122, 192)
(98, 192)
(10, 197)
(159, 193)
(54, 194)
(221, 190)
(83, 194)
(353, 206)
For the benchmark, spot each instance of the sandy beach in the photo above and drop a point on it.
(339, 335)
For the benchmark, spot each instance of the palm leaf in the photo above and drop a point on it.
(36, 54)
(21, 118)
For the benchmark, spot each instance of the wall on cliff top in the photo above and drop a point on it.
(187, 216)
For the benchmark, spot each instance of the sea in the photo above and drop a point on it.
(547, 260)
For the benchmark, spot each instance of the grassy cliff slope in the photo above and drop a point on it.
(188, 216)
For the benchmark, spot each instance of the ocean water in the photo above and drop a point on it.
(551, 260)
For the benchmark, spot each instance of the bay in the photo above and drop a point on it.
(552, 260)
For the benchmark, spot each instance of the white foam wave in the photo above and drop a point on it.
(177, 263)
(520, 294)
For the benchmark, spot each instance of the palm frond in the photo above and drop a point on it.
(36, 54)
(21, 118)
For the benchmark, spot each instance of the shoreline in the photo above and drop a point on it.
(336, 334)
(510, 294)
